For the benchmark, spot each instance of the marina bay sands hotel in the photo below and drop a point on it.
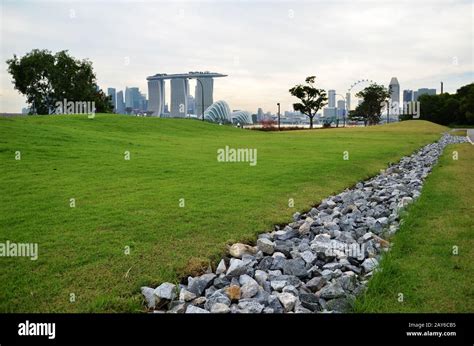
(180, 91)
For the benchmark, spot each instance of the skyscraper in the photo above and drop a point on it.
(332, 98)
(120, 103)
(341, 108)
(113, 101)
(394, 88)
(156, 96)
(407, 95)
(348, 101)
(132, 98)
(425, 91)
(179, 97)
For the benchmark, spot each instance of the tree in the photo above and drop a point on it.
(312, 99)
(46, 78)
(374, 97)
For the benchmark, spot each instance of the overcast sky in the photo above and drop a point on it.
(265, 47)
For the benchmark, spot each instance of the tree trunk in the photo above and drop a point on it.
(311, 121)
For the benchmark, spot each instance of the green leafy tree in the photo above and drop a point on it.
(46, 78)
(312, 98)
(375, 98)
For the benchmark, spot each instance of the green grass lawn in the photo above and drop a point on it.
(421, 264)
(135, 203)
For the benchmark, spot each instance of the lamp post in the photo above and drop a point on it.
(278, 104)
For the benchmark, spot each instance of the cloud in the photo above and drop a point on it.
(265, 47)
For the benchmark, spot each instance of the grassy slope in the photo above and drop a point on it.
(421, 264)
(135, 203)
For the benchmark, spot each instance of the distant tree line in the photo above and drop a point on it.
(46, 78)
(448, 109)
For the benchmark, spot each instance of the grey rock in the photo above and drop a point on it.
(220, 308)
(186, 295)
(249, 289)
(265, 263)
(288, 300)
(308, 256)
(191, 309)
(177, 307)
(166, 291)
(221, 268)
(198, 284)
(316, 283)
(369, 264)
(236, 267)
(309, 301)
(150, 298)
(295, 267)
(250, 306)
(266, 246)
(261, 277)
(332, 290)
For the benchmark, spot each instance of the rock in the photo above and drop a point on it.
(286, 234)
(295, 267)
(219, 297)
(221, 268)
(177, 307)
(305, 228)
(233, 292)
(198, 284)
(250, 306)
(150, 298)
(260, 277)
(191, 309)
(404, 202)
(274, 303)
(221, 281)
(238, 250)
(220, 308)
(332, 266)
(165, 291)
(268, 310)
(266, 246)
(316, 283)
(369, 264)
(291, 289)
(249, 289)
(338, 305)
(265, 263)
(236, 267)
(278, 285)
(309, 301)
(332, 290)
(199, 301)
(308, 256)
(288, 300)
(185, 295)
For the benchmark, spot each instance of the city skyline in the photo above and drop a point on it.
(263, 58)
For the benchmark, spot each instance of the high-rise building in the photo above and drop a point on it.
(179, 97)
(329, 112)
(394, 88)
(156, 96)
(425, 91)
(341, 108)
(120, 103)
(260, 114)
(208, 85)
(132, 98)
(348, 101)
(331, 98)
(407, 95)
(179, 84)
(113, 101)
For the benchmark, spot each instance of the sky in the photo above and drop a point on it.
(265, 47)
